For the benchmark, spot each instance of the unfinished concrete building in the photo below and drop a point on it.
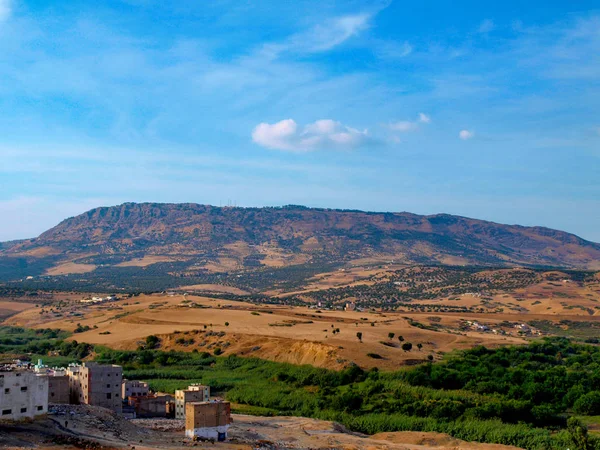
(23, 395)
(150, 405)
(194, 393)
(207, 420)
(97, 385)
(134, 388)
(58, 389)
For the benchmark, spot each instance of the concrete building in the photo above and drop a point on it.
(207, 420)
(23, 395)
(58, 389)
(194, 393)
(97, 385)
(150, 405)
(134, 388)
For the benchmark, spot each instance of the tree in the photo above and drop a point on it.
(359, 336)
(588, 404)
(401, 338)
(430, 357)
(407, 346)
(391, 335)
(578, 433)
(419, 346)
(152, 342)
(226, 324)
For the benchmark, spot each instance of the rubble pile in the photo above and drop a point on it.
(160, 424)
(105, 421)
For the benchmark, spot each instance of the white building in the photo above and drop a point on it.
(134, 388)
(194, 393)
(23, 395)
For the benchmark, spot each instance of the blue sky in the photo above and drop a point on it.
(483, 109)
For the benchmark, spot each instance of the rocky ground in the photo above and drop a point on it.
(84, 427)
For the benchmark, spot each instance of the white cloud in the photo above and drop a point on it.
(405, 126)
(393, 50)
(321, 37)
(486, 26)
(424, 118)
(465, 135)
(5, 9)
(326, 133)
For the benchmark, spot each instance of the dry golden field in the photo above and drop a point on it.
(291, 334)
(326, 338)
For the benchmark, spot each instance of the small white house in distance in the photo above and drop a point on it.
(23, 394)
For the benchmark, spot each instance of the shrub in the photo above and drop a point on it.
(588, 404)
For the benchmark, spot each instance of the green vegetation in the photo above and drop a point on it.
(17, 342)
(516, 396)
(519, 396)
(23, 340)
(585, 330)
(81, 329)
(588, 404)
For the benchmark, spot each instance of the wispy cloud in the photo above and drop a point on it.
(486, 26)
(322, 134)
(404, 126)
(465, 135)
(320, 38)
(392, 50)
(5, 9)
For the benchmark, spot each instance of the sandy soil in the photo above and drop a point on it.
(8, 308)
(70, 268)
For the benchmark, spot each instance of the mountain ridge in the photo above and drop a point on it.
(232, 238)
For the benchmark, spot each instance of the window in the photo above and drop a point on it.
(108, 385)
(116, 395)
(7, 391)
(18, 374)
(52, 394)
(6, 412)
(108, 396)
(40, 408)
(23, 410)
(23, 388)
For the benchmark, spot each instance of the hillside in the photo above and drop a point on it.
(192, 239)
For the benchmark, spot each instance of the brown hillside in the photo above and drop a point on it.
(227, 239)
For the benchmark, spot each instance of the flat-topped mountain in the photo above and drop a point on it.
(216, 239)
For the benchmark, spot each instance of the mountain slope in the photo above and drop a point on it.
(225, 239)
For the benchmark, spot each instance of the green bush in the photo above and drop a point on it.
(588, 404)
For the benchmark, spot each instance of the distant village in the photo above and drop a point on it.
(521, 329)
(28, 391)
